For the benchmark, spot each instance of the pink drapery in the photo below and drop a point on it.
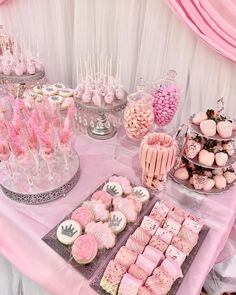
(213, 20)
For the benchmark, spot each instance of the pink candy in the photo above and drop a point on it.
(138, 119)
(166, 99)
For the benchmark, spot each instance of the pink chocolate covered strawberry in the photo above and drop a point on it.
(225, 129)
(206, 158)
(208, 127)
(221, 159)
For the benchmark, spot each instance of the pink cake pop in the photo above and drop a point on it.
(30, 68)
(166, 99)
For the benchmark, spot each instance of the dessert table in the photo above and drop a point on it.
(23, 226)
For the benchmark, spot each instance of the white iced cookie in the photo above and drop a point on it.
(199, 117)
(208, 127)
(59, 86)
(220, 181)
(230, 177)
(55, 99)
(117, 221)
(66, 92)
(68, 231)
(142, 193)
(37, 89)
(39, 98)
(49, 91)
(113, 188)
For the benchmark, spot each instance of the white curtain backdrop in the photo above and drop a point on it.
(147, 37)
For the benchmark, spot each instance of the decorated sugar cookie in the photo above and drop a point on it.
(113, 188)
(117, 221)
(98, 209)
(55, 99)
(82, 215)
(127, 207)
(124, 182)
(142, 193)
(49, 90)
(85, 249)
(68, 231)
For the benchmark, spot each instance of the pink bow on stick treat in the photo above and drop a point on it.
(157, 156)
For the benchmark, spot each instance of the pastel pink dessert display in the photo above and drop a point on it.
(157, 156)
(83, 216)
(85, 249)
(166, 99)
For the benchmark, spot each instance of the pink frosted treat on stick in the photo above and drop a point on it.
(84, 249)
(142, 235)
(83, 216)
(124, 182)
(137, 272)
(103, 196)
(129, 285)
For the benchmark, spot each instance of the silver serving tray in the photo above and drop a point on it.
(95, 282)
(88, 270)
(197, 130)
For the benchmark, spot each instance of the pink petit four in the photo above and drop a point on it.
(161, 208)
(137, 272)
(103, 196)
(172, 268)
(126, 257)
(188, 235)
(112, 277)
(135, 245)
(129, 285)
(83, 216)
(172, 226)
(165, 235)
(146, 264)
(169, 204)
(163, 275)
(153, 254)
(158, 217)
(143, 291)
(182, 245)
(176, 254)
(149, 224)
(193, 225)
(154, 282)
(158, 243)
(142, 235)
(178, 215)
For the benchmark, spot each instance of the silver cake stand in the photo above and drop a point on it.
(103, 128)
(43, 190)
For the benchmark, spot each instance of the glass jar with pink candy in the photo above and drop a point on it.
(166, 97)
(138, 114)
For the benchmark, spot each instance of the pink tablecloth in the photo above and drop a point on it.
(22, 227)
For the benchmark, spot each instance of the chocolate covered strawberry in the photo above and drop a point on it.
(192, 148)
(199, 117)
(229, 148)
(221, 158)
(225, 129)
(208, 127)
(206, 158)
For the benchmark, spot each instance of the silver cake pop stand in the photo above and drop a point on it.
(103, 128)
(43, 190)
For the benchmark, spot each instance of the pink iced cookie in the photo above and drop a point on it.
(176, 254)
(112, 277)
(178, 215)
(98, 209)
(126, 257)
(135, 245)
(172, 226)
(146, 264)
(103, 196)
(136, 202)
(188, 235)
(85, 249)
(172, 268)
(137, 272)
(124, 182)
(153, 254)
(103, 233)
(127, 207)
(129, 285)
(83, 216)
(165, 235)
(182, 245)
(149, 224)
(142, 235)
(143, 291)
(158, 243)
(193, 225)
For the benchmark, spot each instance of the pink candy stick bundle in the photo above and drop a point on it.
(157, 156)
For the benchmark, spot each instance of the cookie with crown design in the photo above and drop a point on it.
(117, 221)
(142, 193)
(68, 231)
(113, 188)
